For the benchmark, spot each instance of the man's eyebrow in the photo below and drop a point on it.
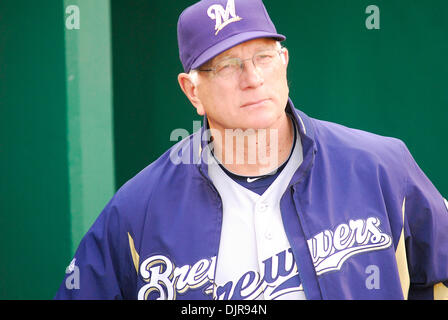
(210, 63)
(231, 55)
(224, 57)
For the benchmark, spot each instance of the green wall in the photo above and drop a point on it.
(56, 146)
(82, 111)
(89, 113)
(34, 224)
(148, 103)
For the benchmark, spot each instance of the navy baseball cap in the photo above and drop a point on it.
(210, 27)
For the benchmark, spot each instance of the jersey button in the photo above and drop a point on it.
(268, 235)
(262, 207)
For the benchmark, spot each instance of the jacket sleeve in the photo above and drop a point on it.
(101, 265)
(426, 234)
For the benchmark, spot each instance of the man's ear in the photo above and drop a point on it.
(285, 56)
(190, 88)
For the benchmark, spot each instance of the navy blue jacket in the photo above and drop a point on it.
(363, 221)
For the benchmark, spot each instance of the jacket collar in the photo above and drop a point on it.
(307, 137)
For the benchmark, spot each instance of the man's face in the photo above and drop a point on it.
(254, 98)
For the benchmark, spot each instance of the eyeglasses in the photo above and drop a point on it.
(234, 66)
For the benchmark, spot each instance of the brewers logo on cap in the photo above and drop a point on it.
(223, 17)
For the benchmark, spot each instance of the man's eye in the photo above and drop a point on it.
(264, 58)
(224, 66)
(227, 66)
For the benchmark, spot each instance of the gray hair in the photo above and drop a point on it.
(194, 76)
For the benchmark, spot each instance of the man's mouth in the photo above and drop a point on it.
(254, 103)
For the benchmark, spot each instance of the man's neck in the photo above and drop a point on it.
(254, 152)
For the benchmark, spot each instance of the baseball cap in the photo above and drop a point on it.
(210, 27)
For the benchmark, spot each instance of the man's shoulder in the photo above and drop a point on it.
(339, 137)
(346, 141)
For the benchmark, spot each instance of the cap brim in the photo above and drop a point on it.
(231, 42)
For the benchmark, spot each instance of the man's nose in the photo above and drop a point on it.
(251, 76)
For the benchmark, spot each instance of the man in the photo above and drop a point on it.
(263, 202)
